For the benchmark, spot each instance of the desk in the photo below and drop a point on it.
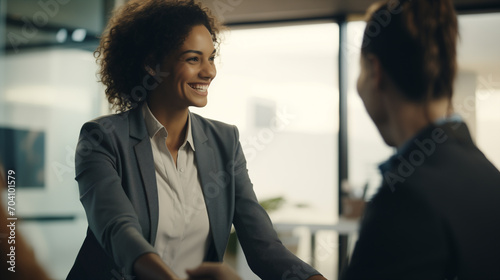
(345, 227)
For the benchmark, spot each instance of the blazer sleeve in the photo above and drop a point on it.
(110, 214)
(265, 254)
(400, 237)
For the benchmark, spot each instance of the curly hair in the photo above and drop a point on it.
(140, 31)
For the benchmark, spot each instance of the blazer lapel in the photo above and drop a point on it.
(144, 155)
(205, 161)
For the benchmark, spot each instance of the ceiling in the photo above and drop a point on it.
(67, 18)
(91, 16)
(250, 11)
(30, 24)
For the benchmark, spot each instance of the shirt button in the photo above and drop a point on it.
(182, 169)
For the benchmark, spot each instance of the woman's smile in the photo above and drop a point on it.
(200, 88)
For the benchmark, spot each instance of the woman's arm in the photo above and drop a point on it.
(110, 213)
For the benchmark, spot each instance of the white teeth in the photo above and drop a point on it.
(198, 87)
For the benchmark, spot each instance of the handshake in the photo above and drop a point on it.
(212, 271)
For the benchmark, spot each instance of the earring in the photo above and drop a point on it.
(150, 70)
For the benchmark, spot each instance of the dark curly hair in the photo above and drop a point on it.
(140, 31)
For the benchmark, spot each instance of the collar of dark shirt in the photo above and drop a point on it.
(390, 164)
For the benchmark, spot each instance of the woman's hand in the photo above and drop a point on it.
(214, 271)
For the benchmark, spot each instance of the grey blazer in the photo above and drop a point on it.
(116, 177)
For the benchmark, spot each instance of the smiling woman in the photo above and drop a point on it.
(191, 70)
(132, 41)
(162, 186)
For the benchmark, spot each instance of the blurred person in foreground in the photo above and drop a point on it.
(437, 213)
(161, 186)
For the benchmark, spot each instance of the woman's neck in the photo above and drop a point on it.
(410, 118)
(174, 120)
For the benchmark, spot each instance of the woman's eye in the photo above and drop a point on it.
(212, 58)
(193, 59)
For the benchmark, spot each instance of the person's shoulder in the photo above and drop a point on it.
(110, 120)
(112, 126)
(115, 118)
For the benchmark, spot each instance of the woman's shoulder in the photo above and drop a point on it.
(115, 118)
(110, 124)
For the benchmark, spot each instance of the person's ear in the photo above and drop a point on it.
(148, 62)
(150, 70)
(375, 70)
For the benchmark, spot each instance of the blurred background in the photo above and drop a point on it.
(286, 77)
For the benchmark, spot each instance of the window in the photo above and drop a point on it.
(478, 83)
(279, 85)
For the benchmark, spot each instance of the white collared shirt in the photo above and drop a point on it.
(183, 226)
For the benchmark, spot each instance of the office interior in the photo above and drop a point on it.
(286, 77)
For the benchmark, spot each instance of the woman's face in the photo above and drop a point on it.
(366, 87)
(370, 91)
(190, 71)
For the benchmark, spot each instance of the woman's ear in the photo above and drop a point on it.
(150, 70)
(147, 65)
(375, 70)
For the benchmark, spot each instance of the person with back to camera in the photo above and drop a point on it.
(437, 214)
(162, 186)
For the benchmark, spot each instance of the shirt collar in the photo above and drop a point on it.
(189, 134)
(448, 119)
(153, 126)
(389, 164)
